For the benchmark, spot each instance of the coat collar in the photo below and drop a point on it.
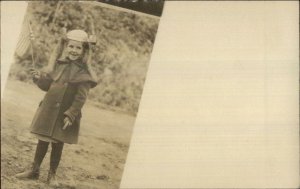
(78, 62)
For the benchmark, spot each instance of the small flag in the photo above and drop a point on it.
(23, 44)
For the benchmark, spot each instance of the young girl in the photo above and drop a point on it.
(58, 117)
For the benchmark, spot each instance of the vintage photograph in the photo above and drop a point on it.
(73, 93)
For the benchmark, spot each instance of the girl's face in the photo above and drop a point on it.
(74, 49)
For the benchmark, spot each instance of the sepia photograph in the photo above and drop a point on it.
(73, 93)
(139, 94)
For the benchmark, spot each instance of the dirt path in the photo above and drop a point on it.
(96, 162)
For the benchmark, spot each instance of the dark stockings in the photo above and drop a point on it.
(54, 161)
(41, 150)
(55, 155)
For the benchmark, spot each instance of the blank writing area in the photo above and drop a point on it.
(220, 103)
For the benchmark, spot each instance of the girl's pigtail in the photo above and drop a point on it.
(56, 54)
(88, 60)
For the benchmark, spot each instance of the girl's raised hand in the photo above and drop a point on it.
(35, 74)
(31, 36)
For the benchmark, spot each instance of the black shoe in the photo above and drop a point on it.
(32, 174)
(51, 179)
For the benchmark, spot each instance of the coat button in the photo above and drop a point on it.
(65, 84)
(57, 104)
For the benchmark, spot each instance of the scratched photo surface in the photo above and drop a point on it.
(122, 46)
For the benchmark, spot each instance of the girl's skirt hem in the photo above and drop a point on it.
(45, 138)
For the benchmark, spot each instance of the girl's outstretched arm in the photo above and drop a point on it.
(41, 79)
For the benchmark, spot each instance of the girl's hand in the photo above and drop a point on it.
(67, 123)
(31, 36)
(35, 74)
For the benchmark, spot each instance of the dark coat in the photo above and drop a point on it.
(67, 89)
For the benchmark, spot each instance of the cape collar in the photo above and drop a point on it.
(77, 62)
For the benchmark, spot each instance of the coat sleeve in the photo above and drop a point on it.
(43, 82)
(79, 100)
